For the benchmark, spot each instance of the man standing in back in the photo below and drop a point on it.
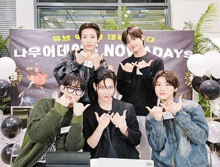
(134, 80)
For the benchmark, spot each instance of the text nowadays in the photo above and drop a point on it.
(110, 50)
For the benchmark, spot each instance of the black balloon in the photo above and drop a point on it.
(5, 87)
(209, 89)
(197, 81)
(11, 126)
(9, 150)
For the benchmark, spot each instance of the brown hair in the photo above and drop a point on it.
(89, 25)
(170, 77)
(134, 32)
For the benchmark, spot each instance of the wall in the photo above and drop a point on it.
(181, 11)
(25, 13)
(7, 20)
(185, 10)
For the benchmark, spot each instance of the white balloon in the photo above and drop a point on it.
(213, 158)
(5, 78)
(214, 69)
(214, 131)
(212, 58)
(215, 107)
(7, 66)
(197, 65)
(208, 74)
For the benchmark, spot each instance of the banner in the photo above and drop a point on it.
(37, 51)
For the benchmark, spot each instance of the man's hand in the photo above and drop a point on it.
(128, 67)
(96, 59)
(173, 107)
(80, 57)
(142, 64)
(103, 120)
(156, 112)
(62, 100)
(78, 108)
(119, 121)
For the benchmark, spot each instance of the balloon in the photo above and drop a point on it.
(211, 56)
(7, 152)
(11, 126)
(208, 74)
(7, 66)
(197, 65)
(214, 131)
(5, 87)
(197, 81)
(213, 61)
(5, 78)
(214, 69)
(213, 158)
(209, 89)
(217, 145)
(215, 107)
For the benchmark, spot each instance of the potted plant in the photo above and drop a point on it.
(3, 45)
(111, 24)
(4, 101)
(202, 45)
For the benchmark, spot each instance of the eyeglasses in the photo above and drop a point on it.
(77, 91)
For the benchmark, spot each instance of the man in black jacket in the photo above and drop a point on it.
(110, 126)
(134, 80)
(84, 61)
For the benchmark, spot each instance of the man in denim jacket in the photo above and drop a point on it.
(176, 129)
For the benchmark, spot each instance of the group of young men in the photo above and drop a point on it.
(86, 116)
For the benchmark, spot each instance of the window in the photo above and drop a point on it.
(147, 18)
(80, 1)
(72, 18)
(70, 14)
(142, 1)
(7, 21)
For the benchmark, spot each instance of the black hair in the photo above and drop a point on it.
(89, 25)
(74, 78)
(102, 74)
